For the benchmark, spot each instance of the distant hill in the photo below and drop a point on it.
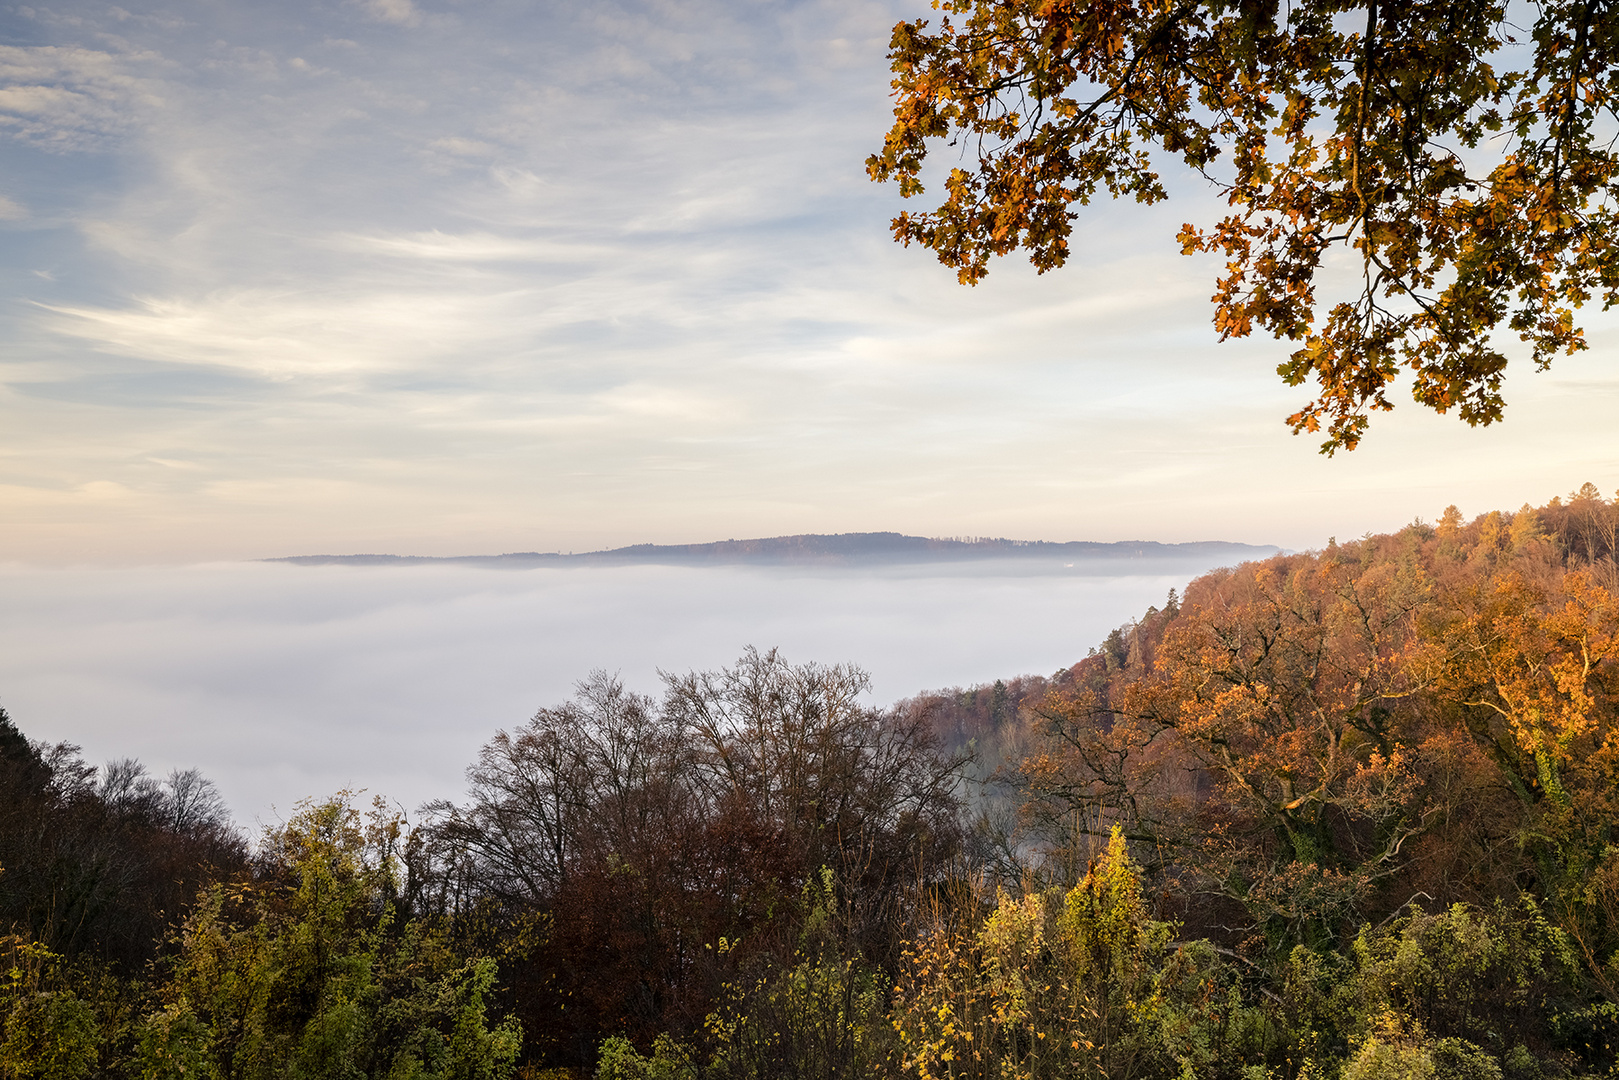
(852, 549)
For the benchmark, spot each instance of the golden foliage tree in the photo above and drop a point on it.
(1325, 737)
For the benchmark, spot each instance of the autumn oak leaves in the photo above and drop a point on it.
(1462, 165)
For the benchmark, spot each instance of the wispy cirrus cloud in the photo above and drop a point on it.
(436, 246)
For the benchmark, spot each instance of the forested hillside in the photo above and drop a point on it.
(1339, 815)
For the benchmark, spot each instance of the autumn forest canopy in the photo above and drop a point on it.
(1346, 814)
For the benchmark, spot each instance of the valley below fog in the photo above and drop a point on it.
(283, 681)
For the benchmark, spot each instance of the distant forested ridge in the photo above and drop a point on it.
(1347, 814)
(875, 548)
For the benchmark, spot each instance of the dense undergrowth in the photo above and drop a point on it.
(1340, 815)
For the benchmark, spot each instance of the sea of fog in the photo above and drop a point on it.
(282, 681)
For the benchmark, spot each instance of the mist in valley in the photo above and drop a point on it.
(281, 682)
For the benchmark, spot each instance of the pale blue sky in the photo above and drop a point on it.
(446, 277)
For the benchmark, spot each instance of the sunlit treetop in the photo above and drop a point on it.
(1459, 152)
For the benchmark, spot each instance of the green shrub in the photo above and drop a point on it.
(309, 978)
(48, 1031)
(620, 1060)
(49, 1034)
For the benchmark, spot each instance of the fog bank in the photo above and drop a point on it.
(284, 681)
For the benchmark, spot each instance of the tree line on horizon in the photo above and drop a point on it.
(1338, 815)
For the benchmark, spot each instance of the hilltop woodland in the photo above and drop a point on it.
(1340, 815)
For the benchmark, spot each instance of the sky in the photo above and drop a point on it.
(447, 277)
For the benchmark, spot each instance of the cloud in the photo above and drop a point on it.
(463, 148)
(66, 98)
(397, 12)
(435, 246)
(282, 334)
